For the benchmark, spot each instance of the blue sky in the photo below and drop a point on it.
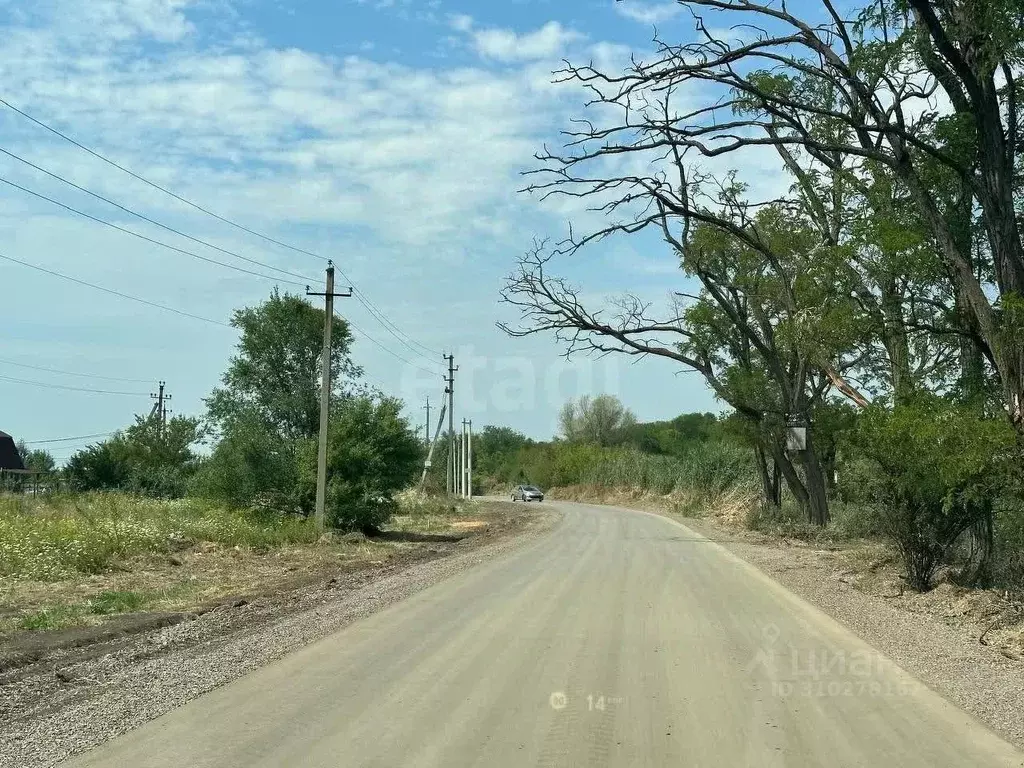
(386, 134)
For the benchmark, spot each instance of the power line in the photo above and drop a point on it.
(68, 439)
(391, 352)
(72, 389)
(74, 373)
(388, 326)
(363, 299)
(153, 184)
(113, 292)
(141, 236)
(145, 218)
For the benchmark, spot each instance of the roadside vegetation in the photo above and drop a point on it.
(863, 320)
(163, 515)
(51, 538)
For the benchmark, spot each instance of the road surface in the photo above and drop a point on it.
(620, 639)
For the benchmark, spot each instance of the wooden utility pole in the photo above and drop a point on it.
(450, 391)
(325, 394)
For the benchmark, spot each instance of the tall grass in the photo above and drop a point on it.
(708, 468)
(62, 536)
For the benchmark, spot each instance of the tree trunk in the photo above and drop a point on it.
(809, 492)
(788, 470)
(977, 571)
(828, 468)
(894, 338)
(814, 479)
(771, 486)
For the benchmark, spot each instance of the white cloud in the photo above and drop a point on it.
(505, 45)
(461, 22)
(648, 13)
(400, 171)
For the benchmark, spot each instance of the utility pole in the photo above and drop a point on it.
(426, 425)
(464, 466)
(160, 407)
(469, 462)
(325, 393)
(450, 391)
(433, 444)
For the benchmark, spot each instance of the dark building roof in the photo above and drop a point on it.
(9, 458)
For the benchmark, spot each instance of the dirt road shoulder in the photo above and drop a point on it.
(79, 697)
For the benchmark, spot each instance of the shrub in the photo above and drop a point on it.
(852, 520)
(371, 455)
(785, 520)
(1008, 565)
(251, 465)
(940, 468)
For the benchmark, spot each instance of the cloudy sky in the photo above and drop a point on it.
(388, 135)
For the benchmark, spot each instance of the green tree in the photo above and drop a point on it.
(372, 453)
(148, 457)
(103, 466)
(493, 446)
(36, 459)
(601, 420)
(251, 465)
(275, 376)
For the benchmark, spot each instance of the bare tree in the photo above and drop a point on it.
(831, 88)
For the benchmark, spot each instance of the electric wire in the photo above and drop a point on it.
(141, 236)
(149, 220)
(113, 292)
(74, 373)
(360, 296)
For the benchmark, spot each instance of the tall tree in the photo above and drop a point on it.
(275, 375)
(834, 87)
(770, 330)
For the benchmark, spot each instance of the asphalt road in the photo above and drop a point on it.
(620, 639)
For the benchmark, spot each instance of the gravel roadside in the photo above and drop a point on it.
(73, 703)
(948, 659)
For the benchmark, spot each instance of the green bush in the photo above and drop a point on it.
(148, 458)
(786, 520)
(940, 469)
(251, 465)
(710, 468)
(852, 520)
(1008, 566)
(371, 456)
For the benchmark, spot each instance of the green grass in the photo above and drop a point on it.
(64, 536)
(711, 468)
(106, 603)
(56, 617)
(112, 601)
(424, 513)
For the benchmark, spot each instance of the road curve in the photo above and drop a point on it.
(620, 639)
